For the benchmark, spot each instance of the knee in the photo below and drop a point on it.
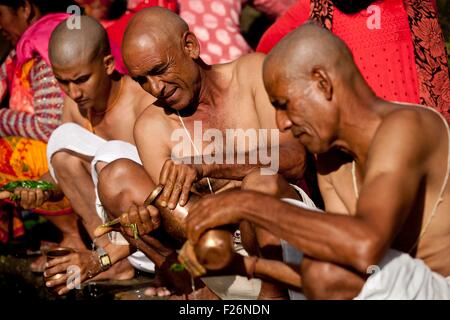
(66, 164)
(114, 186)
(323, 280)
(268, 184)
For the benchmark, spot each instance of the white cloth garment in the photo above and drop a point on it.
(401, 277)
(77, 139)
(397, 277)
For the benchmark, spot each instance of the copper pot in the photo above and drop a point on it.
(214, 249)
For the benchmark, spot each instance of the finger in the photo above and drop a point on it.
(60, 268)
(125, 222)
(188, 182)
(168, 186)
(147, 224)
(31, 199)
(135, 217)
(5, 194)
(23, 197)
(57, 261)
(39, 198)
(165, 171)
(155, 216)
(177, 188)
(58, 282)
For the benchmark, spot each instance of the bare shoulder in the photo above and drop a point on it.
(249, 65)
(408, 131)
(152, 121)
(141, 98)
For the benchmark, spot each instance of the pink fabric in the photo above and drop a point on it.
(35, 39)
(216, 25)
(384, 56)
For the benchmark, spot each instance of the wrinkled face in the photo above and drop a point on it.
(87, 84)
(12, 23)
(301, 108)
(166, 71)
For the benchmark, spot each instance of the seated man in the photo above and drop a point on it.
(194, 99)
(385, 186)
(101, 106)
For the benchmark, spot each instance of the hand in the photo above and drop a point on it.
(146, 220)
(27, 198)
(188, 258)
(177, 180)
(215, 211)
(87, 261)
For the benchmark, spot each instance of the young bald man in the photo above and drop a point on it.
(383, 173)
(162, 55)
(101, 106)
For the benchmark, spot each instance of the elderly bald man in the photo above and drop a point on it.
(162, 55)
(383, 171)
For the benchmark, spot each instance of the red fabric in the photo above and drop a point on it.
(384, 56)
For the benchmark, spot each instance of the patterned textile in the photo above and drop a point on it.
(216, 25)
(24, 159)
(404, 60)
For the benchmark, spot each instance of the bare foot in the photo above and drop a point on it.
(201, 294)
(270, 291)
(121, 270)
(158, 289)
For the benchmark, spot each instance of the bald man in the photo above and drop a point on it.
(101, 106)
(383, 171)
(162, 55)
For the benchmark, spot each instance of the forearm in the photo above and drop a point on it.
(289, 161)
(275, 271)
(118, 252)
(328, 237)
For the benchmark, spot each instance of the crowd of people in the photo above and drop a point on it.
(126, 114)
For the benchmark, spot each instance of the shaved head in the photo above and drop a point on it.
(151, 27)
(78, 46)
(306, 48)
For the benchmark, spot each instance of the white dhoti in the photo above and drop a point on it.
(72, 137)
(397, 277)
(75, 138)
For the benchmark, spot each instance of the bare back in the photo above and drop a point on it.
(337, 182)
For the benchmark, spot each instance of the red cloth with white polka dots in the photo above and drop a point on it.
(216, 25)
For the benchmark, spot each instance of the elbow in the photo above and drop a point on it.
(368, 253)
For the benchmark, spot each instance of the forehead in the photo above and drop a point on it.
(74, 70)
(142, 54)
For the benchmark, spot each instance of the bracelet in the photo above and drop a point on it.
(153, 195)
(251, 270)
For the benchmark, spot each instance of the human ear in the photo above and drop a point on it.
(26, 11)
(110, 64)
(321, 77)
(191, 45)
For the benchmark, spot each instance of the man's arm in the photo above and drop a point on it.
(390, 187)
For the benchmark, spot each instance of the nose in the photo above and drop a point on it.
(156, 86)
(74, 92)
(283, 121)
